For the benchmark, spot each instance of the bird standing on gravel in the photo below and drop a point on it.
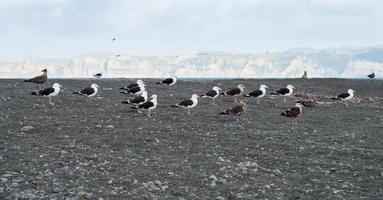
(49, 92)
(238, 91)
(345, 96)
(137, 100)
(137, 90)
(236, 111)
(148, 105)
(212, 94)
(285, 92)
(294, 112)
(39, 79)
(89, 92)
(188, 104)
(308, 103)
(132, 85)
(258, 94)
(169, 81)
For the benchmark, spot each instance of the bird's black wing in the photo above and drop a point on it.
(211, 93)
(233, 91)
(132, 85)
(283, 91)
(134, 90)
(167, 81)
(146, 105)
(343, 95)
(186, 103)
(47, 91)
(137, 100)
(87, 91)
(256, 93)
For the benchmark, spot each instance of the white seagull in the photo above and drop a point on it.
(89, 92)
(212, 94)
(149, 105)
(238, 91)
(49, 92)
(345, 96)
(137, 90)
(188, 104)
(287, 91)
(137, 100)
(258, 94)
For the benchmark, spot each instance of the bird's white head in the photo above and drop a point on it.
(217, 88)
(299, 105)
(57, 85)
(290, 87)
(94, 85)
(141, 84)
(139, 81)
(144, 93)
(154, 97)
(350, 91)
(241, 86)
(263, 86)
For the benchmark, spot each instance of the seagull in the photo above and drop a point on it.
(371, 76)
(98, 75)
(308, 103)
(188, 104)
(89, 92)
(287, 91)
(137, 100)
(49, 92)
(236, 111)
(212, 94)
(169, 81)
(39, 79)
(345, 96)
(294, 112)
(238, 91)
(136, 90)
(149, 105)
(139, 81)
(258, 93)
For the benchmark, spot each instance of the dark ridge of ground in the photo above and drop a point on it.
(107, 151)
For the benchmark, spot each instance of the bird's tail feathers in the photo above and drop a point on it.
(175, 106)
(335, 98)
(246, 95)
(34, 93)
(274, 93)
(78, 93)
(30, 80)
(224, 112)
(284, 114)
(125, 102)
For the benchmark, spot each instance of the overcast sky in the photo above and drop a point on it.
(64, 28)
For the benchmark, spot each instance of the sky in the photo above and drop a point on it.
(66, 28)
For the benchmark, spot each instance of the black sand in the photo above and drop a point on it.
(108, 151)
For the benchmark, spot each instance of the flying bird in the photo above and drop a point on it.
(148, 105)
(132, 85)
(212, 94)
(345, 96)
(89, 92)
(49, 92)
(39, 79)
(114, 39)
(137, 100)
(285, 92)
(258, 94)
(371, 76)
(236, 111)
(238, 91)
(294, 112)
(308, 103)
(136, 90)
(188, 104)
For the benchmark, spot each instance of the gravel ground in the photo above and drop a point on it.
(107, 151)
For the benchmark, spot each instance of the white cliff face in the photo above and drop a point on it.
(352, 63)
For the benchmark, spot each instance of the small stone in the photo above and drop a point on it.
(26, 128)
(213, 178)
(98, 126)
(220, 198)
(277, 172)
(56, 190)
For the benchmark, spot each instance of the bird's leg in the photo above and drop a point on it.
(284, 99)
(149, 113)
(50, 101)
(235, 99)
(188, 111)
(258, 101)
(238, 118)
(90, 100)
(139, 110)
(39, 86)
(346, 104)
(213, 102)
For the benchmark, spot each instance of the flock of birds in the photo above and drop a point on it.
(141, 101)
